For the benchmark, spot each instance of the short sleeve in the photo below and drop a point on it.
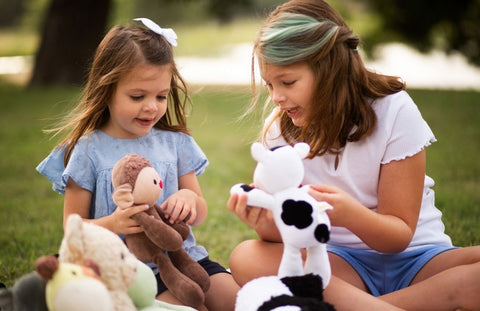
(81, 168)
(406, 130)
(52, 167)
(191, 157)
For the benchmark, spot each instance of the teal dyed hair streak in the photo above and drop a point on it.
(281, 43)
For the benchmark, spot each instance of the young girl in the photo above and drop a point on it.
(133, 103)
(367, 160)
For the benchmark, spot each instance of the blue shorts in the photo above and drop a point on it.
(211, 267)
(385, 273)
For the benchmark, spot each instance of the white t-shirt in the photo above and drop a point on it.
(400, 132)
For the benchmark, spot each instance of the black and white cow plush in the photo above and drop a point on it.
(291, 293)
(301, 220)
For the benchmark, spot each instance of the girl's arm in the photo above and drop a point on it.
(78, 201)
(188, 202)
(391, 228)
(260, 219)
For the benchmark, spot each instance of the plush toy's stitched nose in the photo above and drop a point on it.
(161, 184)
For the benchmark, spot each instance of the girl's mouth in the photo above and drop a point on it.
(145, 122)
(292, 112)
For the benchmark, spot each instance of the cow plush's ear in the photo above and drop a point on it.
(259, 152)
(302, 149)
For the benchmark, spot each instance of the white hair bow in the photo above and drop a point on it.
(167, 33)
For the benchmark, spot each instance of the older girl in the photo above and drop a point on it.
(367, 160)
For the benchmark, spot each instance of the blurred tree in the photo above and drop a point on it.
(225, 10)
(71, 32)
(444, 24)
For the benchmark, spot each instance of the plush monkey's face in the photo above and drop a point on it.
(148, 187)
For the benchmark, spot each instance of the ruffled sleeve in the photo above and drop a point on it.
(406, 130)
(191, 157)
(52, 167)
(79, 167)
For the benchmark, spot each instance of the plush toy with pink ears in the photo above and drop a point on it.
(301, 220)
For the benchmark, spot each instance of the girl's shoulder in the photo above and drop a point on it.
(393, 102)
(396, 107)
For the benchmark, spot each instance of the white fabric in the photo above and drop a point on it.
(168, 33)
(401, 132)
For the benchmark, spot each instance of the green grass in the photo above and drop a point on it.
(31, 213)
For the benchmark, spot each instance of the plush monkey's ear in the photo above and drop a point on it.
(122, 196)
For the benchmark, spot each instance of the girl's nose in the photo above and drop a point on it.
(150, 105)
(277, 97)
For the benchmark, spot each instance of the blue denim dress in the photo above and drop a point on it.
(172, 154)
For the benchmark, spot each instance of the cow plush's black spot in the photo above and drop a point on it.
(246, 188)
(297, 213)
(308, 285)
(322, 234)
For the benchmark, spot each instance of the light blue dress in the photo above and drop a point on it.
(172, 154)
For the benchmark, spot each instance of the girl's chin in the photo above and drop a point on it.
(298, 122)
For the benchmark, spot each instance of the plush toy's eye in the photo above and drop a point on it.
(122, 256)
(74, 272)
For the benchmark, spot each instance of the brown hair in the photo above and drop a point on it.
(342, 108)
(122, 48)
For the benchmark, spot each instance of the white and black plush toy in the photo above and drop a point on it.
(301, 220)
(293, 293)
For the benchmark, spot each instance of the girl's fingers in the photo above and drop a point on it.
(232, 202)
(190, 217)
(324, 188)
(133, 230)
(136, 209)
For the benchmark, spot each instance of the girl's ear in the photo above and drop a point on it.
(259, 152)
(302, 149)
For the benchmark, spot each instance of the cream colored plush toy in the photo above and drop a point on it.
(118, 266)
(72, 287)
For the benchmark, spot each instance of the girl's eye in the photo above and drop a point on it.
(161, 97)
(136, 97)
(289, 82)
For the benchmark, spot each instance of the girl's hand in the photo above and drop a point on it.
(249, 215)
(122, 223)
(260, 219)
(181, 206)
(341, 201)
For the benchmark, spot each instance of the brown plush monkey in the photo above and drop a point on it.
(136, 182)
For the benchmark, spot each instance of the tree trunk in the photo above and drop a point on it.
(71, 32)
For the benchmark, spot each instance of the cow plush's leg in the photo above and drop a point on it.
(317, 263)
(291, 263)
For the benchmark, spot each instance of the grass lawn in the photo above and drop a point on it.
(31, 213)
